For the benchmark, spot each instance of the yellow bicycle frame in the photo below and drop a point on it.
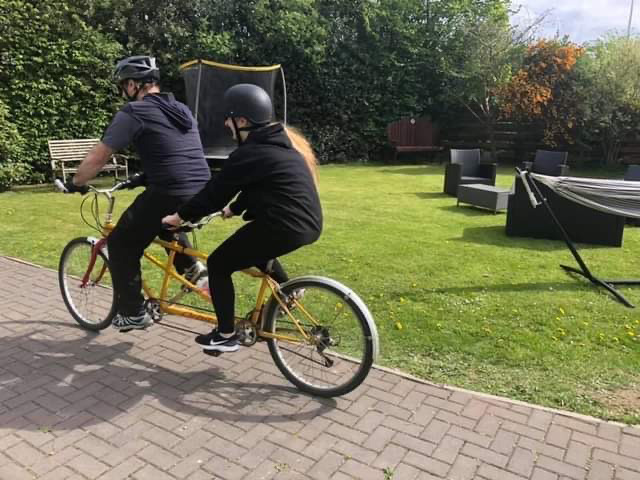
(267, 286)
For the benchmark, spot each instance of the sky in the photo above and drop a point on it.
(583, 20)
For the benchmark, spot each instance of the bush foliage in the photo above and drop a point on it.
(351, 67)
(54, 79)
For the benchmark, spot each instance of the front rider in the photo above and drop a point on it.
(165, 135)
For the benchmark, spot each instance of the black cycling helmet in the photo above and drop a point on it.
(142, 68)
(249, 101)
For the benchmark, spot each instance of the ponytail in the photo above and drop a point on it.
(302, 145)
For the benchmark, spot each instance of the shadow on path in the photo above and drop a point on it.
(61, 376)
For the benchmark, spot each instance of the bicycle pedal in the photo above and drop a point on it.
(213, 353)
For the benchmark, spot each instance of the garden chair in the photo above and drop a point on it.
(549, 163)
(465, 168)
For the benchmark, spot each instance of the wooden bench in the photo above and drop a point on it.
(410, 135)
(66, 155)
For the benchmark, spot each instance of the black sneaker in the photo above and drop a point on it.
(125, 323)
(215, 342)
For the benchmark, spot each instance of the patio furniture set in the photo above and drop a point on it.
(473, 182)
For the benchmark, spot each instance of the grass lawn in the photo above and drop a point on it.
(455, 300)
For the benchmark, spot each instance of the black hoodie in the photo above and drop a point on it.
(274, 182)
(165, 135)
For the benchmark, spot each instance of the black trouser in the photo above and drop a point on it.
(138, 226)
(253, 245)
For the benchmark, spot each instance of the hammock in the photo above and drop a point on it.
(619, 197)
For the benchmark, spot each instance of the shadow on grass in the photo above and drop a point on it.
(471, 211)
(416, 170)
(496, 236)
(431, 195)
(569, 286)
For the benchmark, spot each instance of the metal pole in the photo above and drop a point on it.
(630, 17)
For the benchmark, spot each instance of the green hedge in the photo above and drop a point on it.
(54, 79)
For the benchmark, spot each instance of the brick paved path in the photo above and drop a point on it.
(150, 405)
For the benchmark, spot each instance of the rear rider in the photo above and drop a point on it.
(273, 183)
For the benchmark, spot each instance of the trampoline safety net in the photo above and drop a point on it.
(205, 84)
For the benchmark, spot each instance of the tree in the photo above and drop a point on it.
(543, 89)
(608, 92)
(487, 54)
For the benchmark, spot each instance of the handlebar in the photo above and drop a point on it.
(132, 182)
(187, 225)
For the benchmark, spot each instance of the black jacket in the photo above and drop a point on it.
(274, 184)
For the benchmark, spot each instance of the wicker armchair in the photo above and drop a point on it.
(549, 163)
(465, 168)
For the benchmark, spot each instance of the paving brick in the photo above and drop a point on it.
(542, 448)
(522, 462)
(464, 468)
(415, 444)
(504, 442)
(631, 463)
(540, 474)
(629, 446)
(435, 431)
(469, 436)
(578, 453)
(448, 449)
(571, 423)
(326, 466)
(485, 455)
(561, 468)
(390, 457)
(124, 470)
(88, 466)
(359, 470)
(427, 463)
(188, 467)
(601, 471)
(595, 441)
(492, 473)
(380, 437)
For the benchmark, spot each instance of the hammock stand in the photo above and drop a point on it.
(584, 271)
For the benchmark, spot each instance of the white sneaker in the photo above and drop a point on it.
(197, 274)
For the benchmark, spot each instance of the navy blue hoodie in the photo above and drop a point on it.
(165, 135)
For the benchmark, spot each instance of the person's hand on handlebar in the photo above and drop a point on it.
(70, 187)
(172, 220)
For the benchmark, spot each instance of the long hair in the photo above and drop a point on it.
(302, 145)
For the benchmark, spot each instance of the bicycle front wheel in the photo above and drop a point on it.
(86, 288)
(327, 342)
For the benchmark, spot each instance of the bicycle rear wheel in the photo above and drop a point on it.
(87, 290)
(328, 349)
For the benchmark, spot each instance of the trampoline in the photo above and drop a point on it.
(205, 84)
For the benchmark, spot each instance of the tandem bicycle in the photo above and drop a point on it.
(319, 332)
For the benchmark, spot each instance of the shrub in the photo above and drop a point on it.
(55, 74)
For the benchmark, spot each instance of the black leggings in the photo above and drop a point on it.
(138, 226)
(253, 245)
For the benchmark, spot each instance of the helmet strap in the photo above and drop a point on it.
(237, 131)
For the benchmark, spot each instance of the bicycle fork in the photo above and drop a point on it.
(99, 245)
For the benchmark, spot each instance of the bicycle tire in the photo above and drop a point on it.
(341, 346)
(92, 305)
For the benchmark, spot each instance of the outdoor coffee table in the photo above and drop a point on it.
(485, 196)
